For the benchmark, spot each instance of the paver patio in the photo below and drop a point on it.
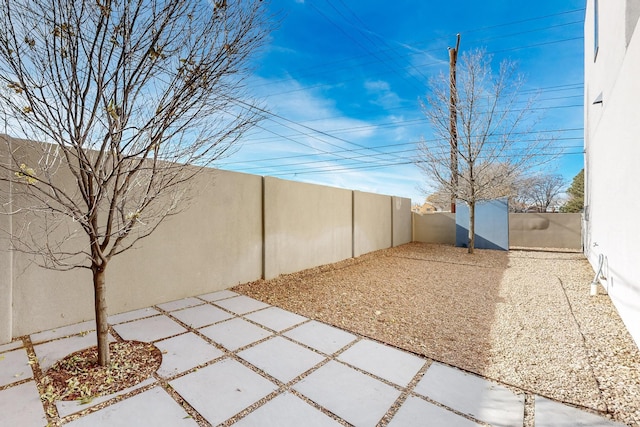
(237, 361)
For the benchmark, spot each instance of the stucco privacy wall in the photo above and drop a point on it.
(237, 228)
(305, 225)
(437, 227)
(371, 222)
(401, 217)
(491, 224)
(38, 296)
(539, 230)
(214, 243)
(545, 230)
(612, 132)
(5, 260)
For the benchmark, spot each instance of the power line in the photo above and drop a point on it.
(348, 168)
(383, 56)
(332, 64)
(282, 168)
(397, 145)
(423, 65)
(402, 123)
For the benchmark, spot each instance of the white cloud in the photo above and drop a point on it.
(381, 94)
(300, 154)
(376, 86)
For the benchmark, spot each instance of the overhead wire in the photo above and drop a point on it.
(411, 143)
(311, 132)
(423, 65)
(332, 64)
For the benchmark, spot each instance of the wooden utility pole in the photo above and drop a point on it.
(453, 120)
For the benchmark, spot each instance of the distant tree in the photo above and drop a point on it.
(576, 194)
(539, 191)
(129, 94)
(441, 200)
(493, 128)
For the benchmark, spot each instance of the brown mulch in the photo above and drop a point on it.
(524, 318)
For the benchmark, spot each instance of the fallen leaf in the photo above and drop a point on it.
(85, 399)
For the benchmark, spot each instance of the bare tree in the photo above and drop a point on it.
(441, 200)
(540, 191)
(493, 131)
(128, 95)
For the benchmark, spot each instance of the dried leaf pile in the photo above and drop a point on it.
(79, 376)
(524, 318)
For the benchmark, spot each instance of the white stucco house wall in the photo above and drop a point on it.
(612, 150)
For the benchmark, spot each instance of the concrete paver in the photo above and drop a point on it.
(235, 333)
(241, 304)
(359, 399)
(11, 346)
(472, 395)
(186, 351)
(68, 407)
(63, 331)
(20, 406)
(321, 337)
(179, 304)
(386, 362)
(50, 352)
(276, 318)
(281, 358)
(149, 329)
(287, 410)
(351, 384)
(14, 366)
(221, 390)
(215, 296)
(132, 315)
(201, 315)
(554, 414)
(152, 408)
(416, 411)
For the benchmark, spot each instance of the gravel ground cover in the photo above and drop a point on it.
(524, 318)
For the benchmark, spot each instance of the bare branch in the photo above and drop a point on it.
(131, 98)
(494, 147)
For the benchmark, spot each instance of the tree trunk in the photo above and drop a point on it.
(472, 227)
(100, 303)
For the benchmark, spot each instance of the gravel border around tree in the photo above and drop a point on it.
(524, 318)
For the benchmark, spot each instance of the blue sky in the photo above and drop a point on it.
(342, 81)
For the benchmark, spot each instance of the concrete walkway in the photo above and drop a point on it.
(231, 360)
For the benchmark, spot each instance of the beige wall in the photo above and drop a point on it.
(371, 222)
(545, 230)
(532, 230)
(237, 228)
(5, 256)
(306, 225)
(215, 243)
(437, 227)
(401, 216)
